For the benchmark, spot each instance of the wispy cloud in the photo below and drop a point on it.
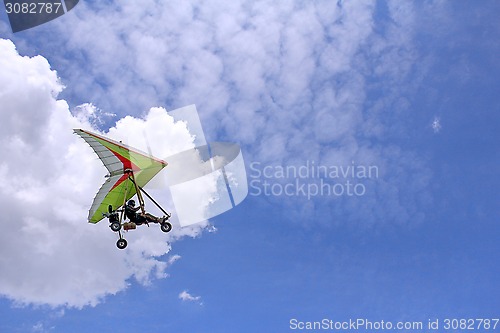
(322, 81)
(290, 82)
(436, 125)
(173, 259)
(39, 328)
(187, 297)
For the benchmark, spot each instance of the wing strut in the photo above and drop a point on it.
(124, 203)
(139, 195)
(150, 198)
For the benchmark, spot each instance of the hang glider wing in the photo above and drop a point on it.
(120, 160)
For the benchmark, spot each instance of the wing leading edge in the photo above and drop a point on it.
(119, 159)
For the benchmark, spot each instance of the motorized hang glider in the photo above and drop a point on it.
(129, 171)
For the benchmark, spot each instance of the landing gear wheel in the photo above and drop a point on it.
(166, 227)
(115, 226)
(121, 243)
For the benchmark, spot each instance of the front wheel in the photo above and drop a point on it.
(121, 243)
(115, 226)
(166, 227)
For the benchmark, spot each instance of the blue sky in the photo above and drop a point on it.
(334, 83)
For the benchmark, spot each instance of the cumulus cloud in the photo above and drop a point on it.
(49, 177)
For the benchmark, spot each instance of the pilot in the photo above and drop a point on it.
(131, 212)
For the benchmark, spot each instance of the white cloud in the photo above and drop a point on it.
(49, 177)
(47, 324)
(290, 81)
(173, 259)
(40, 327)
(187, 297)
(436, 125)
